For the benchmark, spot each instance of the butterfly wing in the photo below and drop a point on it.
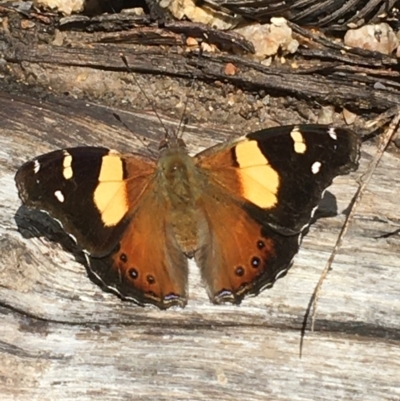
(241, 255)
(269, 184)
(105, 200)
(283, 170)
(86, 190)
(147, 266)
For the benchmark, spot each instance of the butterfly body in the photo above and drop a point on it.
(181, 185)
(239, 208)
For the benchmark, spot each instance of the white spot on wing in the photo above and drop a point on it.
(332, 133)
(298, 140)
(59, 195)
(67, 168)
(36, 166)
(316, 167)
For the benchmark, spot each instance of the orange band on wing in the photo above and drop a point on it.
(259, 181)
(110, 196)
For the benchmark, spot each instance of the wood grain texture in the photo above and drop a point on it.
(209, 67)
(62, 337)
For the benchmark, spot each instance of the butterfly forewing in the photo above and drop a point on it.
(283, 171)
(85, 188)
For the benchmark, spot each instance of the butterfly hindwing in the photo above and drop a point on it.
(240, 256)
(147, 266)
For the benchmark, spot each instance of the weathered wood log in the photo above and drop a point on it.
(62, 337)
(60, 329)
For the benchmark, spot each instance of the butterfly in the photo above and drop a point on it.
(239, 208)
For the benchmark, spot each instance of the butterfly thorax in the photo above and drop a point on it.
(180, 183)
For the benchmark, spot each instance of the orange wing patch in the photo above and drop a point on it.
(259, 181)
(110, 196)
(242, 169)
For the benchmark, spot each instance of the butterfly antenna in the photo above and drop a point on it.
(111, 7)
(125, 61)
(146, 145)
(181, 122)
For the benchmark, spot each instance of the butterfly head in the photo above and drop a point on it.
(171, 141)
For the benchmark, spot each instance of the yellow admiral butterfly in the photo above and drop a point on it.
(239, 208)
